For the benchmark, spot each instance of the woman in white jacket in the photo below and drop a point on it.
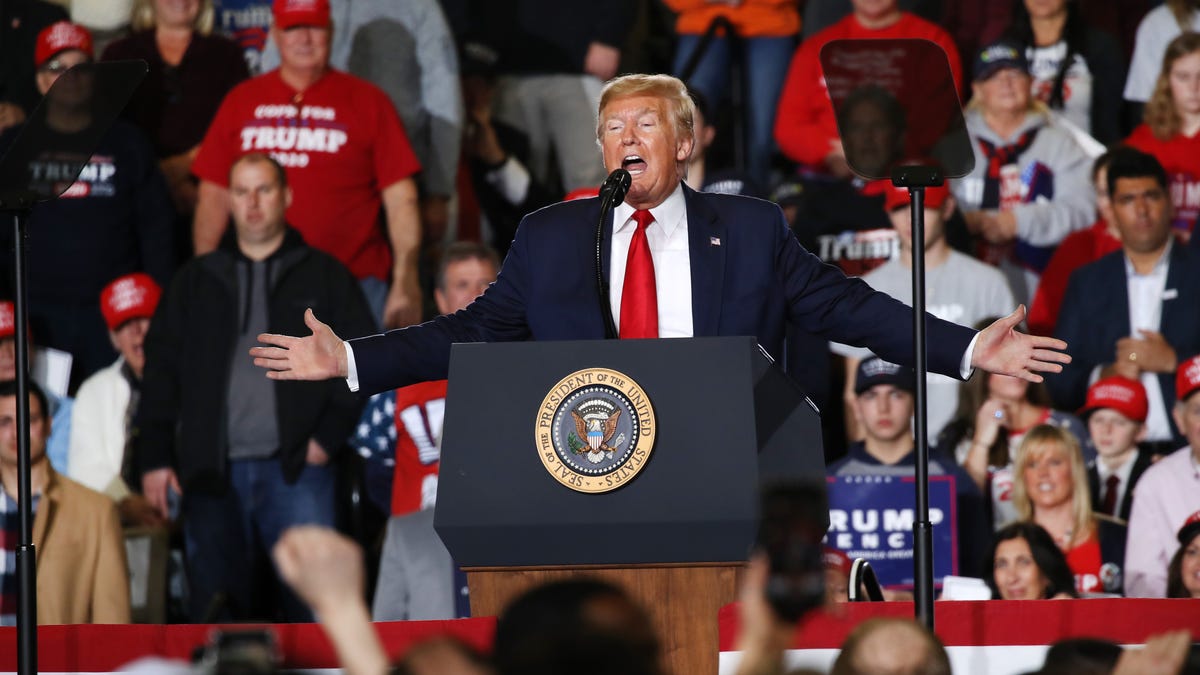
(106, 401)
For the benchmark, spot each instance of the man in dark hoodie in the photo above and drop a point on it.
(248, 455)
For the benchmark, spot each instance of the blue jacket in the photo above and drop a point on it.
(1095, 314)
(749, 277)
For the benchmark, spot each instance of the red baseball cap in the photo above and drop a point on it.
(8, 319)
(1190, 528)
(292, 13)
(1122, 394)
(133, 296)
(59, 37)
(836, 560)
(1187, 378)
(895, 198)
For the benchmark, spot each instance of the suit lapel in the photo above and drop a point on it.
(1171, 303)
(707, 244)
(47, 503)
(1120, 306)
(1140, 464)
(605, 258)
(1172, 324)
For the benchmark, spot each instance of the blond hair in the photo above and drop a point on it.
(1035, 105)
(1161, 114)
(1040, 440)
(681, 107)
(142, 17)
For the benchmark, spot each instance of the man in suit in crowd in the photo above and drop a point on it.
(702, 264)
(81, 576)
(1133, 313)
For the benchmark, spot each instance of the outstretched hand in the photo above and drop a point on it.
(1002, 349)
(319, 356)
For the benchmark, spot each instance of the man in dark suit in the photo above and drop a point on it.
(1133, 312)
(702, 264)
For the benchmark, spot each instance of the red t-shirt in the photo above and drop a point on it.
(1077, 250)
(1180, 156)
(805, 123)
(420, 410)
(341, 142)
(1085, 561)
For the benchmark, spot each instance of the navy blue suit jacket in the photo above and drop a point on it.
(1095, 314)
(749, 277)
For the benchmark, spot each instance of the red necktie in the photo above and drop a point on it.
(639, 299)
(1110, 495)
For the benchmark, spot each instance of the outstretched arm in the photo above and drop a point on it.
(320, 356)
(1002, 349)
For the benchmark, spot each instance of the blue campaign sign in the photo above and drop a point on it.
(871, 517)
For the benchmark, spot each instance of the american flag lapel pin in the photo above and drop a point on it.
(714, 241)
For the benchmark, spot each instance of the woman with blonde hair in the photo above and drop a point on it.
(191, 70)
(1051, 490)
(994, 414)
(1031, 184)
(1171, 127)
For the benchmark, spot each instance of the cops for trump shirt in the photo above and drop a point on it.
(340, 141)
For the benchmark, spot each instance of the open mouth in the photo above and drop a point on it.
(634, 164)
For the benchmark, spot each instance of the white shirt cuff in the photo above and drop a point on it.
(964, 367)
(351, 369)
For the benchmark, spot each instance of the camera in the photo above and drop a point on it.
(239, 652)
(791, 526)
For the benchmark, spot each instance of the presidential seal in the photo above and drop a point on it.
(595, 430)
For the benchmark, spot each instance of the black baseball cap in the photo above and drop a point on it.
(875, 371)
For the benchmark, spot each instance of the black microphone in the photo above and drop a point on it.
(613, 191)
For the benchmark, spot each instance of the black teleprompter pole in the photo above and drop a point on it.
(916, 179)
(61, 133)
(26, 556)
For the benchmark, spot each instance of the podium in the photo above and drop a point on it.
(675, 533)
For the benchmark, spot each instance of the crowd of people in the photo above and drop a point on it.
(368, 163)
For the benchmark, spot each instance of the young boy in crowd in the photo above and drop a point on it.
(1116, 412)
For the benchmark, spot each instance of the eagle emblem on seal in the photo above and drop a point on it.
(595, 423)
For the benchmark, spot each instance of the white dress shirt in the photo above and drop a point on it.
(1146, 292)
(668, 240)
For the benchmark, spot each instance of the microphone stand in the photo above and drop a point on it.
(916, 179)
(612, 193)
(18, 204)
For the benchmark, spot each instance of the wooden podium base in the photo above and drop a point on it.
(682, 600)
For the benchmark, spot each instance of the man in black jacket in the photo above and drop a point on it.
(248, 455)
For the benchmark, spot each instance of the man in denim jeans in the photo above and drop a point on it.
(249, 456)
